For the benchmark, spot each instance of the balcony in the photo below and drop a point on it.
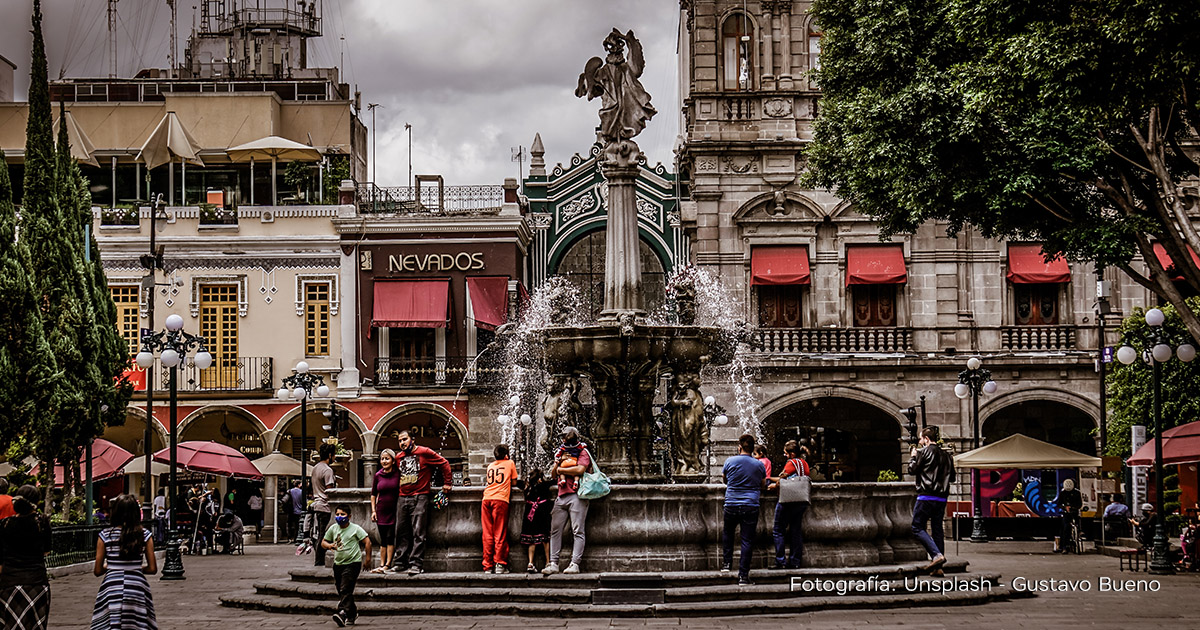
(889, 340)
(372, 199)
(1037, 338)
(118, 216)
(434, 372)
(240, 374)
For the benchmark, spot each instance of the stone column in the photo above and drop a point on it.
(370, 466)
(622, 271)
(768, 35)
(785, 46)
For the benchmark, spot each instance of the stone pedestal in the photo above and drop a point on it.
(622, 272)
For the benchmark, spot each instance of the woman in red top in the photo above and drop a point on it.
(789, 516)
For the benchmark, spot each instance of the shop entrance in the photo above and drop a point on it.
(849, 440)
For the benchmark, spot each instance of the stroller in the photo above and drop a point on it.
(1187, 546)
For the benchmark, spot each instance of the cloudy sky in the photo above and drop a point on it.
(475, 78)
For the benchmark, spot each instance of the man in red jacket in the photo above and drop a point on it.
(415, 464)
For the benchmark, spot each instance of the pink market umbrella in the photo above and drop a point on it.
(211, 458)
(108, 460)
(1180, 445)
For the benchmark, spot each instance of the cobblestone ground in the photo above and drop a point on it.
(193, 603)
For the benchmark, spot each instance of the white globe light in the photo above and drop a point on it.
(174, 323)
(973, 363)
(322, 390)
(1186, 352)
(1126, 354)
(203, 360)
(299, 393)
(1155, 317)
(503, 418)
(526, 419)
(514, 400)
(1161, 353)
(170, 358)
(709, 401)
(302, 367)
(722, 419)
(962, 390)
(990, 387)
(145, 360)
(283, 393)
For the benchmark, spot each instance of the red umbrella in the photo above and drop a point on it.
(1180, 445)
(212, 458)
(108, 460)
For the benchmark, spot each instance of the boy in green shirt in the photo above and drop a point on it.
(350, 545)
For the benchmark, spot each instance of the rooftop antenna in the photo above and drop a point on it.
(518, 156)
(374, 164)
(112, 39)
(174, 35)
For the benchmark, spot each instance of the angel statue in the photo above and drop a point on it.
(624, 103)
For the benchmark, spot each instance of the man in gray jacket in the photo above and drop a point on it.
(933, 469)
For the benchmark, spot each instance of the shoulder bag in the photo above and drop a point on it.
(797, 488)
(595, 484)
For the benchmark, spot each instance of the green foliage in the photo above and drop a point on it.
(1131, 387)
(1052, 121)
(887, 475)
(338, 169)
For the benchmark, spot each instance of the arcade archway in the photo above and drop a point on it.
(583, 266)
(849, 440)
(427, 428)
(230, 426)
(1050, 421)
(131, 435)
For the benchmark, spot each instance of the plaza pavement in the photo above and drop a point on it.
(193, 604)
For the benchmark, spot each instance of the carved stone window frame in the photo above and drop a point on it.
(318, 278)
(231, 278)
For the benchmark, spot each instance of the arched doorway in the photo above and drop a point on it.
(228, 426)
(427, 429)
(849, 440)
(132, 434)
(583, 266)
(1050, 421)
(290, 431)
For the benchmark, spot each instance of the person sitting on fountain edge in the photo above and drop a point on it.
(934, 470)
(416, 464)
(745, 477)
(571, 461)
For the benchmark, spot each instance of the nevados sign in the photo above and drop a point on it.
(436, 262)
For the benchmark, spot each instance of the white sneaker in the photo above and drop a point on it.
(572, 568)
(551, 569)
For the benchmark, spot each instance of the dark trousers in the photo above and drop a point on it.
(412, 519)
(322, 519)
(746, 518)
(345, 576)
(788, 532)
(293, 527)
(931, 512)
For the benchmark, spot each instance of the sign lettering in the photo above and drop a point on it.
(462, 261)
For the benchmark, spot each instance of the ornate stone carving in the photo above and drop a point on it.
(777, 107)
(577, 207)
(364, 260)
(236, 279)
(334, 296)
(561, 407)
(647, 210)
(689, 431)
(624, 103)
(706, 165)
(733, 165)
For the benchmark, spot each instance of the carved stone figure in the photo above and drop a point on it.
(624, 103)
(683, 290)
(689, 431)
(561, 407)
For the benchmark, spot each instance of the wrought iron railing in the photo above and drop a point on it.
(234, 374)
(372, 199)
(1027, 338)
(435, 372)
(72, 544)
(834, 340)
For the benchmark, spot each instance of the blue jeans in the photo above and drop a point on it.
(788, 531)
(931, 512)
(745, 517)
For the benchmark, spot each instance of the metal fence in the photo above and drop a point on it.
(72, 544)
(372, 199)
(233, 374)
(435, 371)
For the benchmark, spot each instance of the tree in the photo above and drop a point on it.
(1065, 122)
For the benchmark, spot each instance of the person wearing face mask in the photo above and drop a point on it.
(934, 471)
(351, 551)
(571, 461)
(415, 465)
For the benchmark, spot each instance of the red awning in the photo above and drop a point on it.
(875, 264)
(489, 301)
(779, 265)
(1027, 265)
(1160, 252)
(411, 304)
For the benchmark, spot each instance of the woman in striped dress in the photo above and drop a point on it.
(124, 601)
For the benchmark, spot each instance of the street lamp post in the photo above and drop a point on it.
(151, 262)
(173, 345)
(1156, 350)
(302, 384)
(973, 381)
(713, 414)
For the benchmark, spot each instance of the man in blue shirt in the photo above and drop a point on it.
(297, 504)
(745, 477)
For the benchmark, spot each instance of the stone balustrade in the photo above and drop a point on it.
(834, 340)
(1031, 338)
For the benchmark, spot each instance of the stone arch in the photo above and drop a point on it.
(581, 263)
(890, 407)
(750, 25)
(562, 245)
(405, 409)
(135, 423)
(1058, 417)
(190, 423)
(1072, 399)
(354, 437)
(766, 202)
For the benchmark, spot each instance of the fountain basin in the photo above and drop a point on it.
(677, 527)
(569, 348)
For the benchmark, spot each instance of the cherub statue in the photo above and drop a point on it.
(624, 103)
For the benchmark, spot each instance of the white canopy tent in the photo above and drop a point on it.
(1020, 451)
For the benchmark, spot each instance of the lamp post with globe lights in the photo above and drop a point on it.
(1156, 350)
(173, 346)
(713, 414)
(302, 384)
(973, 381)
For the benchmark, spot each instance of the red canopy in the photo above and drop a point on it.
(1027, 265)
(489, 301)
(212, 458)
(1181, 445)
(779, 265)
(108, 460)
(875, 264)
(1164, 259)
(411, 304)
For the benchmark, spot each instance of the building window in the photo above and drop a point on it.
(316, 320)
(219, 327)
(1036, 304)
(126, 300)
(874, 304)
(779, 306)
(737, 50)
(814, 47)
